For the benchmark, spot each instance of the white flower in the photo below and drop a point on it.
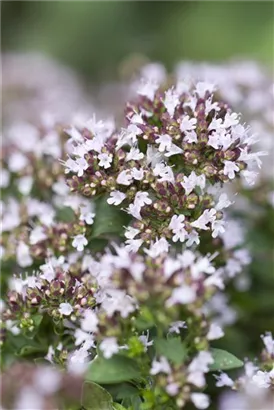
(230, 120)
(65, 309)
(188, 124)
(134, 154)
(230, 168)
(190, 137)
(173, 389)
(87, 217)
(173, 150)
(148, 88)
(165, 172)
(79, 242)
(201, 362)
(215, 332)
(133, 245)
(249, 176)
(141, 199)
(202, 87)
(269, 343)
(208, 216)
(217, 228)
(23, 257)
(131, 232)
(193, 237)
(193, 180)
(4, 178)
(137, 174)
(176, 326)
(183, 295)
(105, 160)
(157, 248)
(196, 378)
(109, 347)
(116, 198)
(17, 162)
(171, 101)
(134, 210)
(89, 323)
(200, 400)
(177, 226)
(262, 379)
(24, 184)
(124, 178)
(223, 202)
(37, 235)
(144, 340)
(161, 366)
(223, 380)
(165, 142)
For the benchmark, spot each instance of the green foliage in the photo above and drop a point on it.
(109, 220)
(224, 360)
(114, 370)
(173, 349)
(95, 397)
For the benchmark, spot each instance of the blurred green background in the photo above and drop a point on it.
(96, 37)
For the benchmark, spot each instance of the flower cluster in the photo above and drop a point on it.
(141, 313)
(162, 167)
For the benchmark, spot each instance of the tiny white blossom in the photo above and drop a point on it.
(105, 160)
(65, 309)
(109, 347)
(131, 232)
(79, 242)
(171, 101)
(124, 178)
(223, 202)
(230, 168)
(217, 228)
(188, 124)
(134, 154)
(223, 380)
(116, 198)
(173, 150)
(133, 245)
(193, 180)
(200, 400)
(176, 326)
(148, 88)
(137, 174)
(161, 366)
(269, 343)
(157, 248)
(37, 235)
(141, 199)
(165, 142)
(184, 294)
(215, 332)
(89, 323)
(208, 216)
(202, 87)
(23, 257)
(190, 137)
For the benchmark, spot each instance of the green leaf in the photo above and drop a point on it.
(114, 370)
(173, 349)
(108, 220)
(65, 214)
(117, 406)
(224, 360)
(94, 397)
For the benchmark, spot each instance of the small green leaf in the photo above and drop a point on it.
(65, 214)
(173, 349)
(114, 370)
(224, 360)
(108, 220)
(94, 397)
(117, 406)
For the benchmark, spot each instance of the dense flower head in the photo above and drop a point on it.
(162, 166)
